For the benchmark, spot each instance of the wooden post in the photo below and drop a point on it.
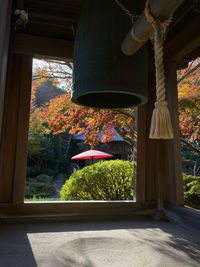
(5, 18)
(160, 169)
(146, 148)
(160, 179)
(15, 129)
(141, 155)
(174, 186)
(9, 128)
(159, 172)
(22, 129)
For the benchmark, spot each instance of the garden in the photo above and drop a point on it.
(54, 119)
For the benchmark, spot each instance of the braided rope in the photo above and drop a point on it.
(131, 16)
(161, 123)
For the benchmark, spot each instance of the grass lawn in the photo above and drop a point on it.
(41, 199)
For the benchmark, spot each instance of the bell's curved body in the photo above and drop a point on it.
(103, 77)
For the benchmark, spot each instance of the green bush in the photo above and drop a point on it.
(191, 183)
(195, 187)
(43, 178)
(40, 187)
(48, 172)
(32, 171)
(192, 198)
(192, 189)
(187, 179)
(105, 180)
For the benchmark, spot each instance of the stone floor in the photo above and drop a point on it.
(98, 244)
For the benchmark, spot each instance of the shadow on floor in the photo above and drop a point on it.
(15, 248)
(65, 244)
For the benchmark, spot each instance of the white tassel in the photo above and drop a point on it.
(161, 126)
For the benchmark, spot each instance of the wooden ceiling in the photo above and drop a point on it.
(50, 18)
(185, 32)
(58, 19)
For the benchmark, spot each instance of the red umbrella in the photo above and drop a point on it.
(92, 154)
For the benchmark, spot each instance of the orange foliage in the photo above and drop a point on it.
(189, 102)
(61, 114)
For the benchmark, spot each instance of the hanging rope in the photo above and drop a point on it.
(161, 127)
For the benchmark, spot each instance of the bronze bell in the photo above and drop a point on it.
(103, 76)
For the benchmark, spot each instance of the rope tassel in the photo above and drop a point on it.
(161, 126)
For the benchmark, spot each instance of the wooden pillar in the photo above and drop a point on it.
(140, 155)
(5, 18)
(9, 128)
(146, 148)
(159, 171)
(22, 129)
(174, 180)
(15, 129)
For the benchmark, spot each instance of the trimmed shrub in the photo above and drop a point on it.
(191, 198)
(187, 180)
(192, 189)
(195, 187)
(43, 178)
(39, 187)
(191, 183)
(32, 171)
(105, 180)
(48, 172)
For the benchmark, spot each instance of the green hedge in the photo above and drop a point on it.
(105, 180)
(41, 186)
(191, 183)
(192, 198)
(43, 178)
(192, 189)
(48, 172)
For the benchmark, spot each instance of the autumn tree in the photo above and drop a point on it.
(36, 138)
(61, 114)
(189, 105)
(44, 148)
(56, 71)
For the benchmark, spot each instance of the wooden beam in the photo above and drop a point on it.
(41, 46)
(67, 27)
(143, 29)
(76, 209)
(20, 4)
(184, 42)
(72, 6)
(56, 18)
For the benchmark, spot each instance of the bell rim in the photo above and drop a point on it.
(76, 95)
